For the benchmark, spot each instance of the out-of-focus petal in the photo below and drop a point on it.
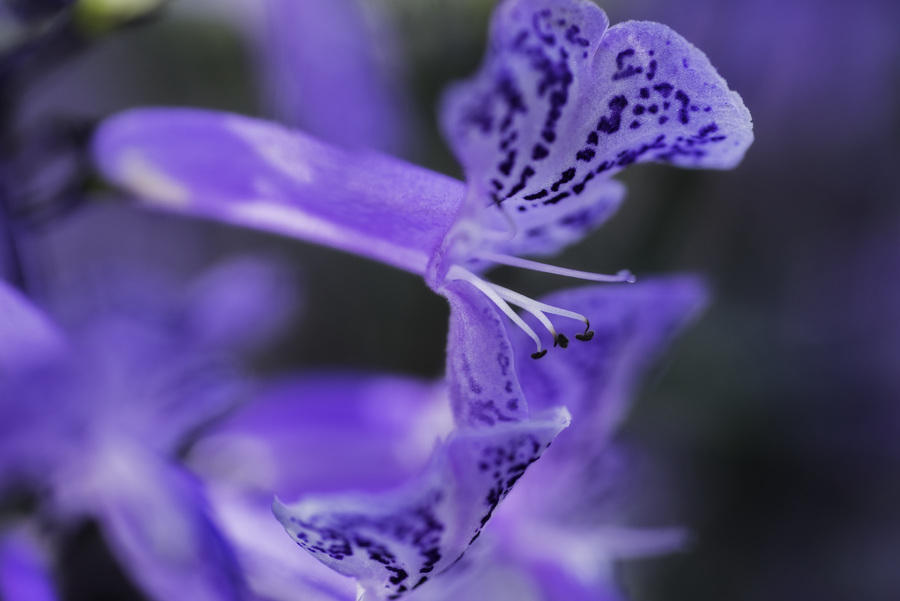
(273, 568)
(597, 381)
(27, 337)
(24, 569)
(561, 103)
(632, 323)
(395, 542)
(258, 174)
(240, 304)
(156, 520)
(326, 433)
(333, 72)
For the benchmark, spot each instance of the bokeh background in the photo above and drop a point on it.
(771, 429)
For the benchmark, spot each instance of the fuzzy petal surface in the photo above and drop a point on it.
(261, 175)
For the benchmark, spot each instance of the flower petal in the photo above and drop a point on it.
(333, 72)
(393, 543)
(255, 173)
(632, 323)
(155, 519)
(561, 103)
(481, 361)
(24, 569)
(240, 304)
(27, 337)
(379, 431)
(273, 568)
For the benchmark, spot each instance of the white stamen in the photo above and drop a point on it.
(623, 276)
(523, 301)
(531, 305)
(461, 273)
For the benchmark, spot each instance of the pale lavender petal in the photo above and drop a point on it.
(481, 361)
(274, 570)
(333, 72)
(258, 174)
(395, 542)
(561, 103)
(156, 520)
(27, 337)
(326, 433)
(25, 569)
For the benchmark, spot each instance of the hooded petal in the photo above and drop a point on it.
(393, 543)
(561, 103)
(24, 569)
(258, 174)
(156, 520)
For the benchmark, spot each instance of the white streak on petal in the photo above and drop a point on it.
(147, 181)
(290, 221)
(284, 152)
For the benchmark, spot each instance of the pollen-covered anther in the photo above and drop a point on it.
(588, 334)
(561, 341)
(539, 354)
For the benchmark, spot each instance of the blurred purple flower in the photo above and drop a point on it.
(24, 568)
(94, 418)
(560, 105)
(333, 71)
(425, 482)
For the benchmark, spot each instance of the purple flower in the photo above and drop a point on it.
(24, 568)
(92, 420)
(334, 72)
(425, 481)
(561, 104)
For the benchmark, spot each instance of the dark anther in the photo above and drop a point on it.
(539, 354)
(588, 334)
(561, 341)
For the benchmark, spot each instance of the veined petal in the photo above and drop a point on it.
(326, 433)
(258, 174)
(395, 542)
(561, 103)
(481, 361)
(24, 569)
(156, 520)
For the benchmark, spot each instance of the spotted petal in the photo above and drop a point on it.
(394, 543)
(258, 174)
(562, 102)
(481, 361)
